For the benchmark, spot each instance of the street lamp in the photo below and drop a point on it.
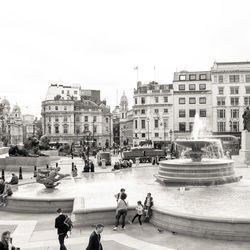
(170, 133)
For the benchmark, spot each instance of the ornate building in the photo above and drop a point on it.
(79, 116)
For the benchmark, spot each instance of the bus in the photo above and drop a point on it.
(229, 143)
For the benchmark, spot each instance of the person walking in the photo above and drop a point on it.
(95, 238)
(62, 228)
(6, 242)
(148, 203)
(139, 212)
(118, 196)
(121, 211)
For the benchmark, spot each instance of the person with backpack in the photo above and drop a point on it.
(62, 228)
(121, 211)
(95, 238)
(139, 212)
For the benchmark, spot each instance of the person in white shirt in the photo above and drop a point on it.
(139, 212)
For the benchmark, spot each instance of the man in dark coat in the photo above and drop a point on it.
(95, 238)
(62, 228)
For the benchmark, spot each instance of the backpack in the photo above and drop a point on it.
(68, 222)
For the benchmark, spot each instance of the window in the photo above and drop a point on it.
(75, 92)
(143, 124)
(202, 86)
(234, 113)
(203, 113)
(247, 89)
(182, 113)
(165, 111)
(77, 118)
(247, 78)
(62, 91)
(94, 129)
(135, 112)
(191, 86)
(143, 135)
(220, 101)
(182, 78)
(182, 126)
(107, 119)
(143, 112)
(142, 100)
(156, 99)
(56, 107)
(220, 78)
(67, 92)
(136, 124)
(86, 118)
(65, 107)
(234, 126)
(191, 125)
(49, 119)
(247, 100)
(65, 129)
(221, 113)
(56, 119)
(135, 100)
(234, 90)
(221, 90)
(221, 126)
(156, 111)
(135, 135)
(156, 123)
(86, 127)
(65, 118)
(165, 123)
(234, 101)
(182, 100)
(49, 129)
(57, 129)
(165, 98)
(49, 108)
(203, 77)
(215, 78)
(192, 112)
(182, 87)
(192, 100)
(234, 78)
(78, 130)
(202, 100)
(192, 77)
(156, 134)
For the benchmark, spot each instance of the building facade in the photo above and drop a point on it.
(153, 113)
(231, 94)
(81, 118)
(192, 95)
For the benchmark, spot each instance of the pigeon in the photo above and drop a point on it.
(160, 230)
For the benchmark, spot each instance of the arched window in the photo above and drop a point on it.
(56, 129)
(65, 129)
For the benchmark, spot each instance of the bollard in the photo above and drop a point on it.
(56, 164)
(20, 173)
(3, 175)
(35, 171)
(72, 156)
(73, 166)
(47, 166)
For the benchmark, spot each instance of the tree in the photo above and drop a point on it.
(57, 97)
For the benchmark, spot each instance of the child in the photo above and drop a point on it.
(139, 212)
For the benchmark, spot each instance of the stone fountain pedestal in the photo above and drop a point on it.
(245, 147)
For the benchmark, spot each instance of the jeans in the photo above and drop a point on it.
(139, 218)
(121, 213)
(61, 238)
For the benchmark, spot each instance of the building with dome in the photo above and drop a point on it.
(72, 114)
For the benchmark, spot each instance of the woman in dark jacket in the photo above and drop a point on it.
(5, 242)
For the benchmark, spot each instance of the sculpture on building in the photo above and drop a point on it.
(50, 178)
(246, 119)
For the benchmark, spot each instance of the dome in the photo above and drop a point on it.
(16, 108)
(124, 98)
(5, 102)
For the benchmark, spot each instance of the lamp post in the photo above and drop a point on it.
(170, 133)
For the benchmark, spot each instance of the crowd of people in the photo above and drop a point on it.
(122, 164)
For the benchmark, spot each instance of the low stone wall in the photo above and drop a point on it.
(206, 227)
(4, 150)
(50, 152)
(92, 216)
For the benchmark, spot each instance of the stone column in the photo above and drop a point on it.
(245, 146)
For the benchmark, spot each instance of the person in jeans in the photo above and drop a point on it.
(139, 212)
(62, 228)
(148, 203)
(121, 211)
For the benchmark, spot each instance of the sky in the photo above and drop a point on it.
(99, 43)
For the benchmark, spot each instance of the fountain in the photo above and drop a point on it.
(197, 170)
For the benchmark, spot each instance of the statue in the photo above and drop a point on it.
(246, 119)
(50, 178)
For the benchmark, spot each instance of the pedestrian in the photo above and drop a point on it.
(2, 187)
(6, 242)
(7, 192)
(117, 196)
(92, 166)
(139, 212)
(148, 203)
(95, 238)
(14, 179)
(121, 211)
(62, 228)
